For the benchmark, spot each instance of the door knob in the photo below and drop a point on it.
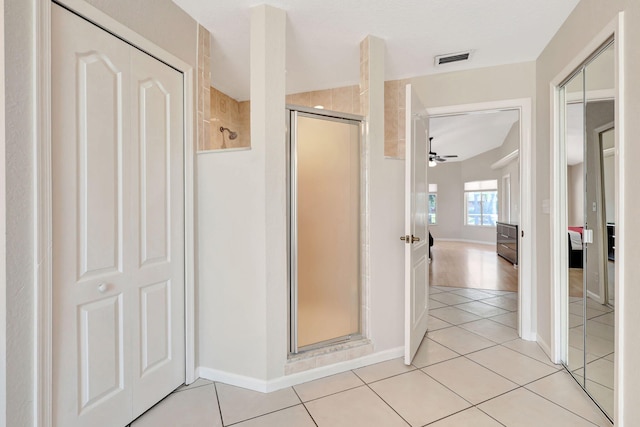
(409, 239)
(102, 287)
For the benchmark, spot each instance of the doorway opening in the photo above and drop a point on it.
(325, 199)
(515, 264)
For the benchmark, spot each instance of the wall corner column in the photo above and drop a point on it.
(268, 82)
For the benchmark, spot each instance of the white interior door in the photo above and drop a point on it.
(118, 239)
(416, 238)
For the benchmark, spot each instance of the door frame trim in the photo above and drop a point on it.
(42, 224)
(527, 271)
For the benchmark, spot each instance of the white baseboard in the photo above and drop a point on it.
(595, 297)
(546, 348)
(267, 386)
(464, 241)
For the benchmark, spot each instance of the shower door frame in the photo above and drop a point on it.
(292, 314)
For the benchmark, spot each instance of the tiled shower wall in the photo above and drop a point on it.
(342, 99)
(229, 113)
(204, 79)
(216, 109)
(394, 118)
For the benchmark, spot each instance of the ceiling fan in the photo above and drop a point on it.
(434, 157)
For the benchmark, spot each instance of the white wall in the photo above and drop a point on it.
(450, 178)
(450, 201)
(241, 227)
(583, 25)
(158, 20)
(497, 83)
(575, 195)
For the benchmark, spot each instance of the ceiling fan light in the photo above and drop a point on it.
(433, 163)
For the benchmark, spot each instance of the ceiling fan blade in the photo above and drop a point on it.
(440, 159)
(450, 155)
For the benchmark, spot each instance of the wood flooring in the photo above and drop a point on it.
(471, 265)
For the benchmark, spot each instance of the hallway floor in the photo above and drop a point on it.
(471, 370)
(470, 265)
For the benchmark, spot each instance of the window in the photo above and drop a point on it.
(481, 203)
(433, 204)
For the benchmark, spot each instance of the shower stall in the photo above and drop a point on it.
(324, 224)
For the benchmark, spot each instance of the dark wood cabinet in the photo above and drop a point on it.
(507, 241)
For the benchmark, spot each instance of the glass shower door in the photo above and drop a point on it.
(325, 230)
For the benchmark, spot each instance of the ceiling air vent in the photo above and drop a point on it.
(452, 57)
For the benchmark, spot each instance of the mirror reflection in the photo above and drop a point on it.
(589, 111)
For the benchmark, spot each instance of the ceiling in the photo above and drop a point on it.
(469, 135)
(323, 36)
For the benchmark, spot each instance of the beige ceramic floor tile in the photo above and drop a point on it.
(576, 358)
(601, 371)
(531, 349)
(498, 293)
(601, 330)
(593, 313)
(599, 346)
(509, 319)
(433, 324)
(511, 295)
(607, 319)
(326, 386)
(560, 388)
(577, 307)
(523, 408)
(473, 382)
(597, 306)
(450, 298)
(431, 352)
(193, 407)
(475, 294)
(296, 416)
(418, 398)
(491, 330)
(511, 364)
(502, 302)
(575, 320)
(197, 383)
(602, 395)
(239, 404)
(358, 407)
(481, 309)
(433, 304)
(460, 340)
(383, 370)
(454, 315)
(471, 417)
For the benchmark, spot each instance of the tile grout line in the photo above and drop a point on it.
(215, 387)
(305, 406)
(557, 404)
(389, 405)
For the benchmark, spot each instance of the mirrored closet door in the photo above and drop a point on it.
(588, 99)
